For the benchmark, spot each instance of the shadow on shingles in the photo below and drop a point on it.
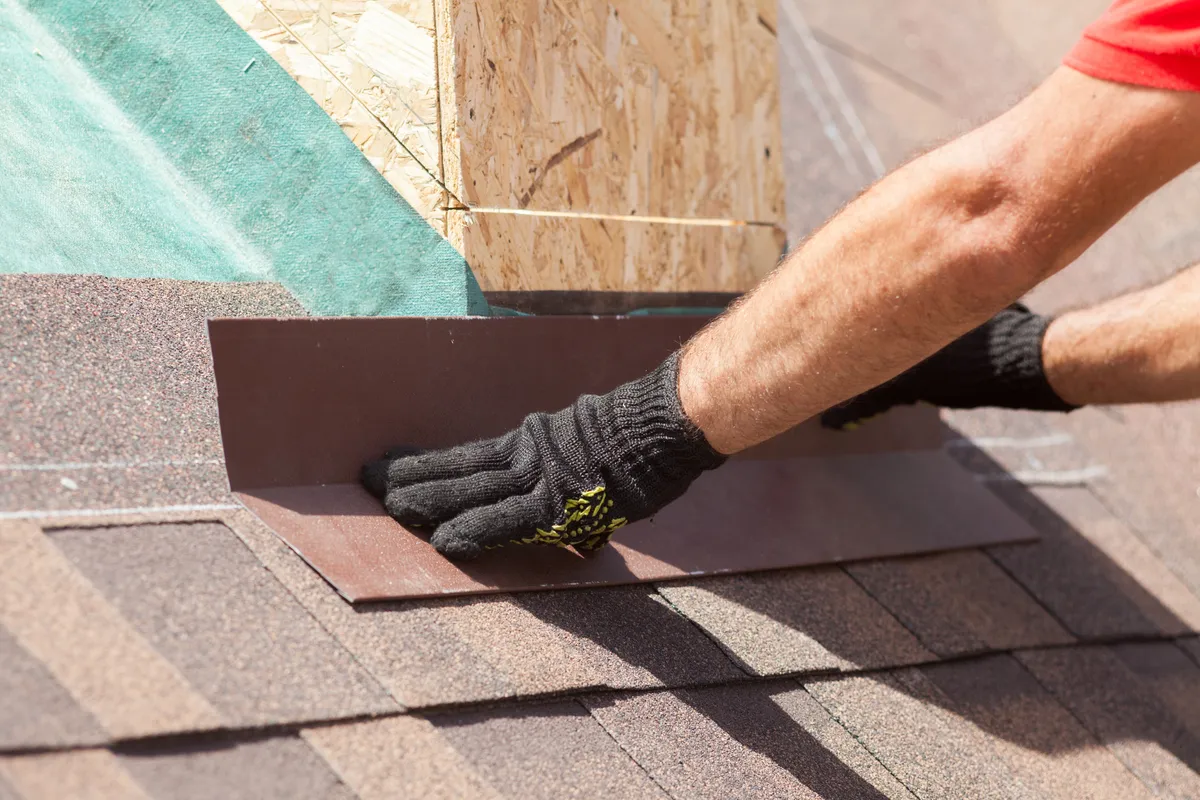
(1096, 685)
(749, 715)
(752, 719)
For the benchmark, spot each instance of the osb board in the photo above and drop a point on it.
(646, 107)
(511, 252)
(381, 53)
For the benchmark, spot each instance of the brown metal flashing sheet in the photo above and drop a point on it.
(304, 402)
(307, 401)
(749, 515)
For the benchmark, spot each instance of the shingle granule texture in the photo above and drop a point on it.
(284, 768)
(108, 384)
(35, 710)
(795, 621)
(747, 741)
(959, 603)
(1087, 591)
(1043, 744)
(204, 602)
(1125, 713)
(545, 753)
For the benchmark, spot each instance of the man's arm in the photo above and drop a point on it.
(934, 250)
(997, 365)
(1142, 347)
(927, 254)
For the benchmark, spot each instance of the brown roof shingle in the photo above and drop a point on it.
(447, 651)
(1041, 741)
(36, 709)
(1124, 713)
(1070, 572)
(171, 649)
(791, 621)
(959, 603)
(199, 597)
(750, 740)
(279, 768)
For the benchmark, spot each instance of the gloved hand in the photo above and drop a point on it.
(997, 364)
(565, 479)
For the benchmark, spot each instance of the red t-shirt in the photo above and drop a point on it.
(1144, 42)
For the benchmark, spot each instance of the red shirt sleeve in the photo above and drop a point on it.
(1152, 43)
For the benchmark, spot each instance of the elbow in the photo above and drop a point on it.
(996, 221)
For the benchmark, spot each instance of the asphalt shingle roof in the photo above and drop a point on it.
(158, 641)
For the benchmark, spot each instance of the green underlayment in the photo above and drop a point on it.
(155, 138)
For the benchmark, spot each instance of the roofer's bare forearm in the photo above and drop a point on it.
(932, 251)
(1143, 347)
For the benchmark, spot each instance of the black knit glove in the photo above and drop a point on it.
(998, 364)
(565, 479)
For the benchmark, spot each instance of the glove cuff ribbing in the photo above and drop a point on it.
(650, 434)
(1014, 353)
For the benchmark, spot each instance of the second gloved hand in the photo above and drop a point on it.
(999, 364)
(568, 479)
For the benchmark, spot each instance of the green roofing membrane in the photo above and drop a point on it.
(155, 138)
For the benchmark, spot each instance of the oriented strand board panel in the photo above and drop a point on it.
(371, 66)
(648, 107)
(517, 252)
(666, 109)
